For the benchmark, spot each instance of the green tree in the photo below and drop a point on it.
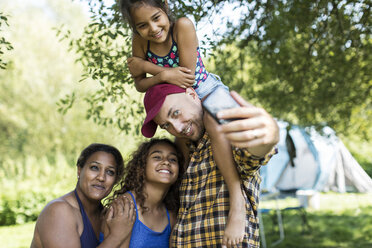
(103, 49)
(39, 73)
(4, 44)
(309, 61)
(313, 60)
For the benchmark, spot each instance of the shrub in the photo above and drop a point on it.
(29, 184)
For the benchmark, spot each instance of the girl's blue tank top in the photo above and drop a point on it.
(142, 236)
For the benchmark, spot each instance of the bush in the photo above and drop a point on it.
(25, 208)
(29, 184)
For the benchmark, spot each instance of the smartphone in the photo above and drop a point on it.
(217, 100)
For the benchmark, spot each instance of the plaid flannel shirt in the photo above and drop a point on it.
(205, 198)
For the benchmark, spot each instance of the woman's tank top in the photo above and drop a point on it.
(88, 238)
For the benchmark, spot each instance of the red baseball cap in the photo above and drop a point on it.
(154, 99)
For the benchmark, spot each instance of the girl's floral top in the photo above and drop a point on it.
(172, 59)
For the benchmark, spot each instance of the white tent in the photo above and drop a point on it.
(308, 160)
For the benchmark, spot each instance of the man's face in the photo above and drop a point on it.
(182, 115)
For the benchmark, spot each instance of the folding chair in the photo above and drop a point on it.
(268, 196)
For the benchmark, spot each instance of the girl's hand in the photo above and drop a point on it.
(180, 76)
(136, 65)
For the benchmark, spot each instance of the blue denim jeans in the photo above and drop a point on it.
(213, 81)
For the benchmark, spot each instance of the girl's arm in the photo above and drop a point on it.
(187, 41)
(141, 81)
(138, 67)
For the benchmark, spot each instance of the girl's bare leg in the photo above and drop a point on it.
(222, 153)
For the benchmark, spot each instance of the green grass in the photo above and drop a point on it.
(343, 221)
(350, 228)
(18, 236)
(330, 201)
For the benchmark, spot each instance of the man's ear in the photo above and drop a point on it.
(191, 92)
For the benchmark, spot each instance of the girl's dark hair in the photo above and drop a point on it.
(126, 6)
(97, 147)
(134, 175)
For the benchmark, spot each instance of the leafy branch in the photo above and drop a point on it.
(4, 44)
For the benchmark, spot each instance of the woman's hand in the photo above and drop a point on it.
(180, 76)
(119, 219)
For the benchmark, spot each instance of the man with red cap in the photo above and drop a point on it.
(204, 197)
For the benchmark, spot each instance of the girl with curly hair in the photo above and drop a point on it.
(151, 180)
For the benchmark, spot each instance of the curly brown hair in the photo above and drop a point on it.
(134, 176)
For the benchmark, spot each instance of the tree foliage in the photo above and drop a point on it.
(313, 60)
(41, 71)
(103, 49)
(308, 62)
(4, 44)
(39, 146)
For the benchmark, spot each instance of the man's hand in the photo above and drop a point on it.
(256, 130)
(180, 76)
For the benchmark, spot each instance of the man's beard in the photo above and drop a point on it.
(201, 126)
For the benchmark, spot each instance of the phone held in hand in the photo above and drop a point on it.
(218, 100)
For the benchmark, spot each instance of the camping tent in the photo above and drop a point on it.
(308, 160)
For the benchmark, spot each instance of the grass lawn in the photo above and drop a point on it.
(18, 236)
(343, 221)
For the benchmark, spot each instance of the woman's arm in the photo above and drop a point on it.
(56, 227)
(119, 221)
